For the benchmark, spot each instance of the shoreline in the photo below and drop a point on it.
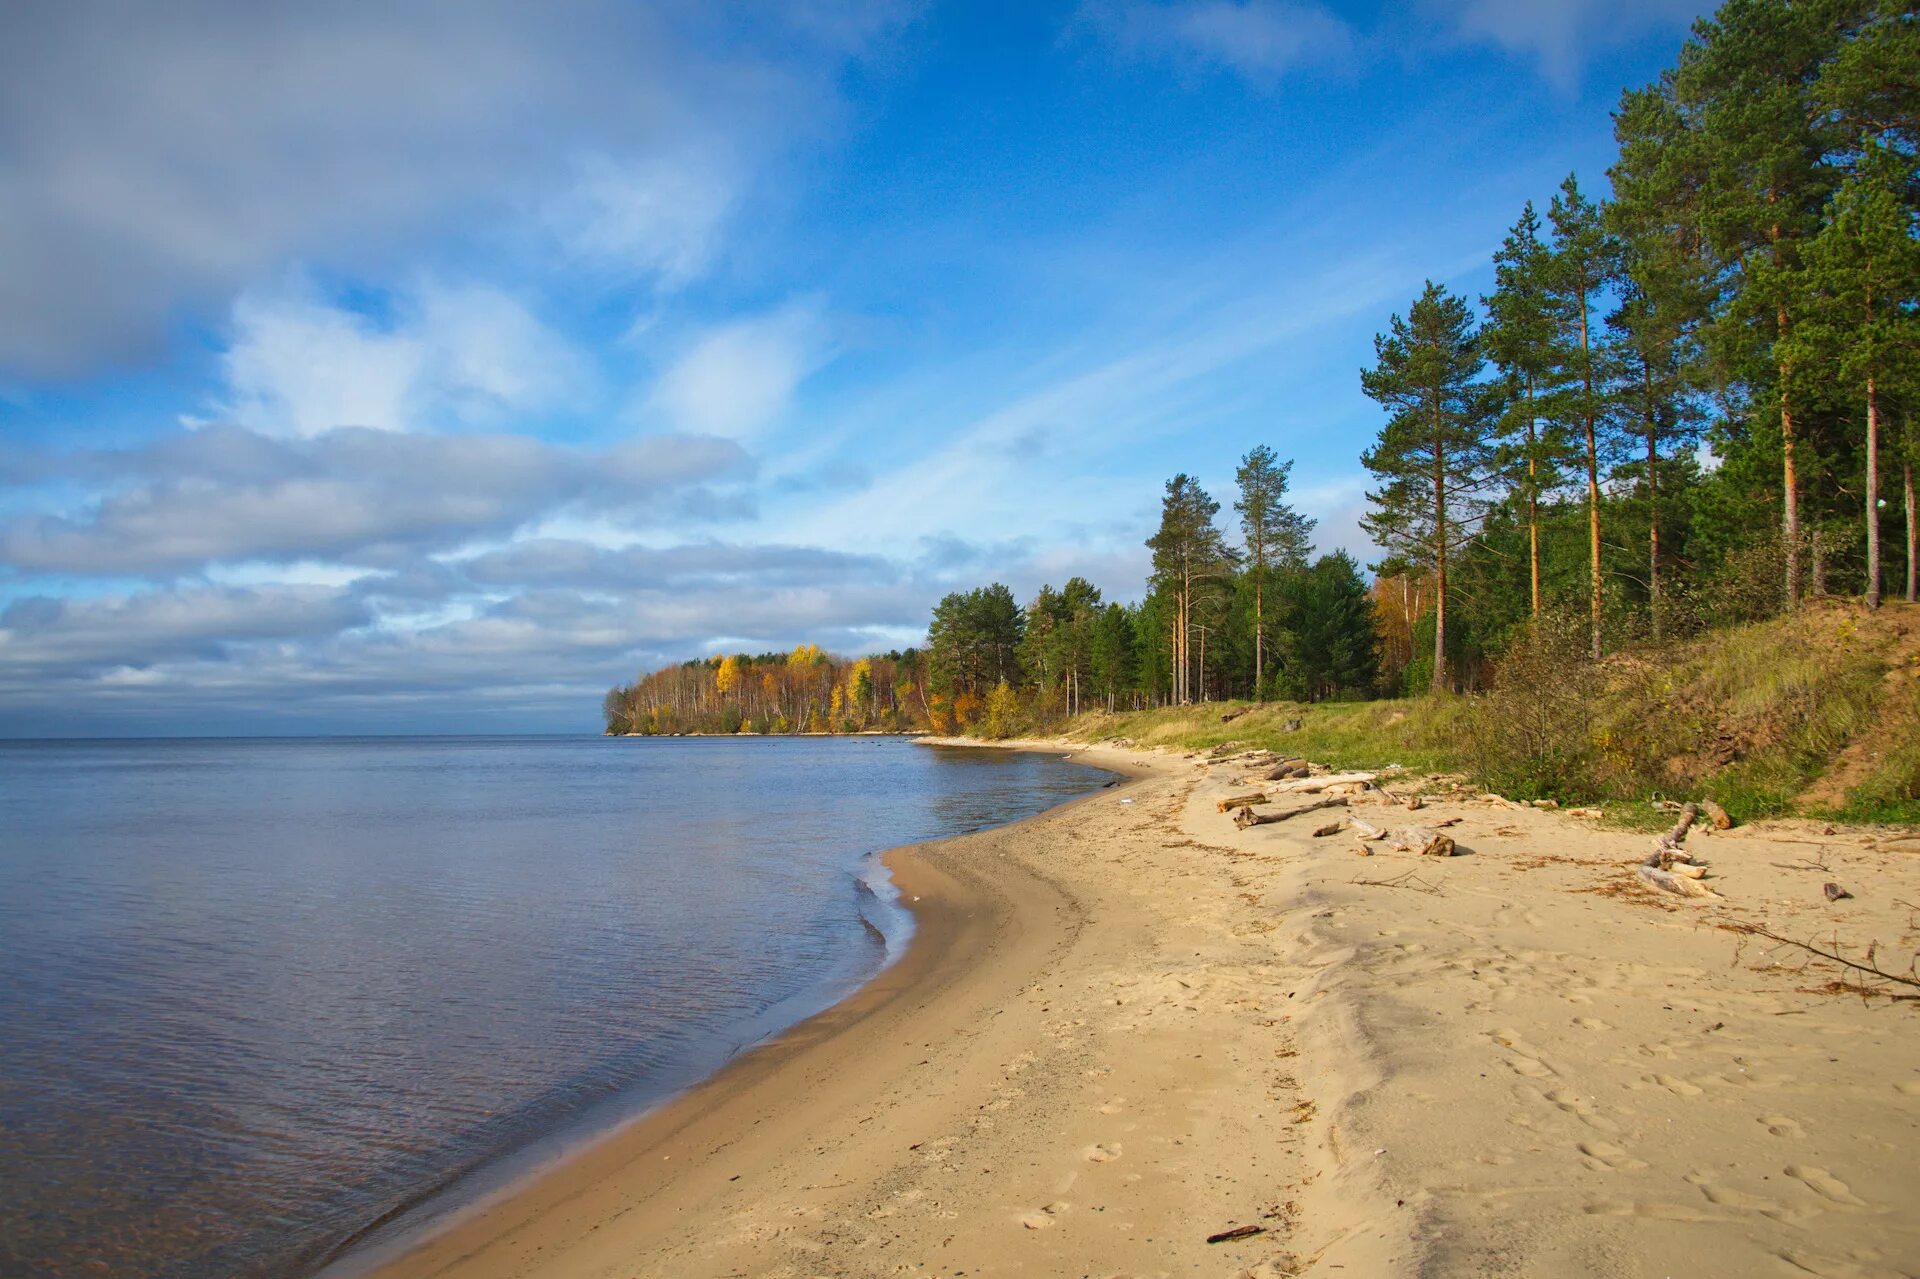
(1136, 1039)
(958, 916)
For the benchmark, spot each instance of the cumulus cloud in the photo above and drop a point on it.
(448, 355)
(355, 494)
(737, 379)
(160, 156)
(1259, 39)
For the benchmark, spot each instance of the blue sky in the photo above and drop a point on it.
(430, 367)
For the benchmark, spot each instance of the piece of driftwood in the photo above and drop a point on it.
(1308, 785)
(1414, 803)
(1331, 828)
(1716, 814)
(1366, 830)
(1247, 817)
(1498, 801)
(1424, 840)
(1669, 868)
(1288, 768)
(1232, 715)
(1241, 801)
(1238, 1232)
(1583, 812)
(1834, 892)
(1547, 805)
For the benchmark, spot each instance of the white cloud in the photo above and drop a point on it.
(1559, 34)
(657, 216)
(1259, 39)
(454, 355)
(738, 379)
(160, 156)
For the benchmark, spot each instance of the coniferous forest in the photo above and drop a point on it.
(1691, 400)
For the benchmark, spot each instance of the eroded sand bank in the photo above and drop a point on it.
(1125, 1026)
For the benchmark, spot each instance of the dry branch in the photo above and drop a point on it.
(1241, 801)
(1406, 880)
(1247, 817)
(1869, 967)
(1331, 828)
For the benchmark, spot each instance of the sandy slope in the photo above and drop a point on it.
(1127, 1025)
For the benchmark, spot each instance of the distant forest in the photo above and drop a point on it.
(1688, 404)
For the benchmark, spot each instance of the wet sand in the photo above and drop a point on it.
(1125, 1026)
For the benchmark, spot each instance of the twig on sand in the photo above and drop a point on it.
(1238, 1232)
(1870, 966)
(1405, 880)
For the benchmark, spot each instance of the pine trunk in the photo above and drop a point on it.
(1653, 504)
(1913, 530)
(1259, 637)
(1440, 557)
(1873, 496)
(1533, 504)
(1593, 482)
(1789, 481)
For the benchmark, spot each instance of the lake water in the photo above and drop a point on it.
(259, 996)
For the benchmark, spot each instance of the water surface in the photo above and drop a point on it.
(261, 994)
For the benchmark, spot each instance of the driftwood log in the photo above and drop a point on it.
(1366, 830)
(1308, 785)
(1331, 828)
(1247, 817)
(1424, 840)
(1716, 814)
(1669, 868)
(1241, 801)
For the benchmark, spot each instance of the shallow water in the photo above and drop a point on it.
(259, 995)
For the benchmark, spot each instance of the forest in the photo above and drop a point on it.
(1688, 402)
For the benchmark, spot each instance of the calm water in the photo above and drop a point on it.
(257, 996)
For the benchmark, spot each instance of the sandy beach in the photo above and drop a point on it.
(1125, 1026)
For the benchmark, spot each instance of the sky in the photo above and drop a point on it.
(431, 367)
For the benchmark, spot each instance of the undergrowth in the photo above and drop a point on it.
(1749, 716)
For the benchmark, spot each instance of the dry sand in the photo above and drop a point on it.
(1126, 1025)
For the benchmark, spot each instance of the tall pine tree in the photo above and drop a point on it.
(1275, 535)
(1519, 337)
(1433, 454)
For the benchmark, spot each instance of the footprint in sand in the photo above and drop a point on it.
(1836, 1267)
(1042, 1218)
(1102, 1152)
(1783, 1126)
(1523, 1061)
(1727, 1197)
(1910, 1089)
(1591, 1023)
(1604, 1157)
(1580, 1109)
(1675, 1085)
(1653, 1211)
(1113, 1106)
(1825, 1184)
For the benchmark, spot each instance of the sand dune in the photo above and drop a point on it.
(1127, 1026)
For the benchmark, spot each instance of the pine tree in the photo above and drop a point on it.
(1745, 86)
(1336, 643)
(1276, 536)
(1433, 454)
(1861, 285)
(1188, 554)
(1581, 269)
(1519, 337)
